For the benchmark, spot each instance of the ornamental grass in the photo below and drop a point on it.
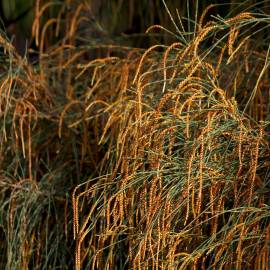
(119, 157)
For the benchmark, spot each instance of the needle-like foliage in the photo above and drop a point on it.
(118, 157)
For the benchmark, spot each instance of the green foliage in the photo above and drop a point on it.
(114, 156)
(19, 12)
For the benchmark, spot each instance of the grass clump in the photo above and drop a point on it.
(114, 157)
(187, 181)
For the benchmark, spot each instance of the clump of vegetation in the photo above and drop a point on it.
(187, 182)
(130, 158)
